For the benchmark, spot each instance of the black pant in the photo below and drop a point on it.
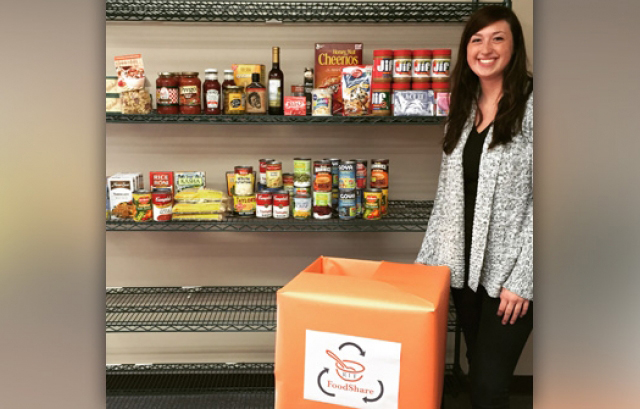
(493, 349)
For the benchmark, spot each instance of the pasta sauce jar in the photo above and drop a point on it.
(167, 94)
(190, 89)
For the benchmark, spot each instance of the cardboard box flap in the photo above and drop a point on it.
(343, 267)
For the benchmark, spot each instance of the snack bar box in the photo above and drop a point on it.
(362, 334)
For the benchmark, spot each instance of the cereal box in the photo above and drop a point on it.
(161, 180)
(330, 58)
(187, 179)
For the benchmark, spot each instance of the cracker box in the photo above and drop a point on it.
(242, 73)
(362, 334)
(161, 180)
(186, 179)
(330, 58)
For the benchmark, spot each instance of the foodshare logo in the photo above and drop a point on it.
(351, 371)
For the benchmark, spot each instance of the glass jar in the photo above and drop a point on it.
(190, 103)
(211, 92)
(234, 100)
(167, 94)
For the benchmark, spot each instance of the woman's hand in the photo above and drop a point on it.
(512, 306)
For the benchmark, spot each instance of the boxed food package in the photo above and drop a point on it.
(121, 187)
(362, 334)
(413, 103)
(242, 73)
(330, 58)
(130, 72)
(161, 180)
(295, 106)
(356, 90)
(188, 179)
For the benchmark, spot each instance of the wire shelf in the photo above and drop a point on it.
(404, 216)
(293, 11)
(196, 309)
(154, 118)
(197, 386)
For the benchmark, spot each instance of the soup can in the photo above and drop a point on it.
(162, 201)
(302, 206)
(144, 206)
(379, 173)
(371, 201)
(264, 205)
(243, 180)
(322, 177)
(361, 173)
(322, 205)
(281, 205)
(347, 175)
(274, 174)
(301, 172)
(244, 205)
(347, 209)
(262, 178)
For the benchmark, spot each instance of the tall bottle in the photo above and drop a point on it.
(211, 92)
(276, 85)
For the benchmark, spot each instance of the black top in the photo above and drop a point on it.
(471, 166)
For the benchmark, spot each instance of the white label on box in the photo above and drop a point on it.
(351, 371)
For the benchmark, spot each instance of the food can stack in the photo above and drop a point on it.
(347, 208)
(322, 189)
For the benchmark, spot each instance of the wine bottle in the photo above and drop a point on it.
(276, 85)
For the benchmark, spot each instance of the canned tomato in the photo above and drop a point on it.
(372, 199)
(244, 205)
(243, 181)
(301, 172)
(335, 172)
(302, 206)
(144, 209)
(274, 174)
(322, 178)
(347, 175)
(347, 205)
(321, 205)
(162, 200)
(262, 179)
(264, 202)
(281, 205)
(384, 204)
(379, 173)
(361, 173)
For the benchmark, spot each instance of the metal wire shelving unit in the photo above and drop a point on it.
(197, 309)
(404, 216)
(293, 11)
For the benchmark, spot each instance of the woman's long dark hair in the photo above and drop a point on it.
(465, 85)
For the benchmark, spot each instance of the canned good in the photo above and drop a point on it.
(321, 205)
(361, 173)
(380, 173)
(347, 209)
(347, 175)
(264, 205)
(287, 180)
(274, 174)
(335, 172)
(244, 205)
(302, 206)
(302, 191)
(243, 181)
(262, 180)
(359, 208)
(144, 208)
(321, 101)
(335, 199)
(372, 199)
(384, 204)
(322, 178)
(162, 201)
(302, 172)
(281, 205)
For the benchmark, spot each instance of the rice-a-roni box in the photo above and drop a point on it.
(362, 334)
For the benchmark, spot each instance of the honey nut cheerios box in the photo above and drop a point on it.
(330, 58)
(362, 334)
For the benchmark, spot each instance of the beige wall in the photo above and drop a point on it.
(177, 259)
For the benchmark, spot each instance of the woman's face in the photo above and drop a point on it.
(489, 50)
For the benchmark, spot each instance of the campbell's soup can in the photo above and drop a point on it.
(162, 201)
(264, 205)
(347, 175)
(144, 207)
(262, 177)
(361, 173)
(379, 173)
(384, 203)
(347, 208)
(372, 203)
(274, 174)
(281, 205)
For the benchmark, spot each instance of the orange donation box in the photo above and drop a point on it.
(362, 334)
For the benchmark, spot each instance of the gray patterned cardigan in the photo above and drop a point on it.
(502, 239)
